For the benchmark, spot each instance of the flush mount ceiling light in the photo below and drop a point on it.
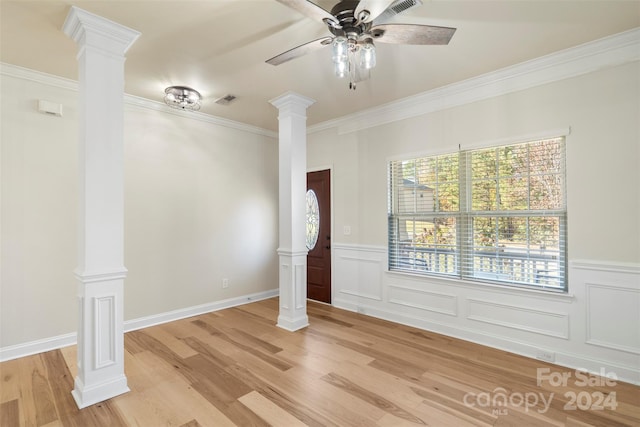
(182, 98)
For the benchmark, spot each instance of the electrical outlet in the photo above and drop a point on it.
(547, 356)
(346, 230)
(225, 283)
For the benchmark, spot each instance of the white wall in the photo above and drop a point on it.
(38, 213)
(598, 323)
(200, 205)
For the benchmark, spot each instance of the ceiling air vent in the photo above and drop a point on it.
(396, 8)
(226, 100)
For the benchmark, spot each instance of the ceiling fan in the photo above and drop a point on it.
(355, 25)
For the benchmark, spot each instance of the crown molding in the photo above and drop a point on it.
(18, 72)
(147, 104)
(607, 52)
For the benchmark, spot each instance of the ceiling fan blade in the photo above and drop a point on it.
(412, 34)
(374, 7)
(309, 9)
(299, 51)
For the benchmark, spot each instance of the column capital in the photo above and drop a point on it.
(292, 103)
(88, 29)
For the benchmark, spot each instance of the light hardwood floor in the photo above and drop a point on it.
(234, 367)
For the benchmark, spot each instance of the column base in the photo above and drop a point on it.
(293, 290)
(292, 325)
(100, 338)
(87, 396)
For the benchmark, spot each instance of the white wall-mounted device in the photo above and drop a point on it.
(51, 108)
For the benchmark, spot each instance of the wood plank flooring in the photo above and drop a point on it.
(236, 368)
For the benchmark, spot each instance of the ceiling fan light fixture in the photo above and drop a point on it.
(367, 55)
(340, 56)
(340, 48)
(182, 98)
(341, 68)
(353, 58)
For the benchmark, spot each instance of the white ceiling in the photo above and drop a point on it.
(219, 47)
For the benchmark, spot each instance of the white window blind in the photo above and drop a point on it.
(496, 214)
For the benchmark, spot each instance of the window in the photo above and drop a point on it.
(313, 219)
(495, 215)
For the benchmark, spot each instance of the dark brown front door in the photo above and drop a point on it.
(319, 256)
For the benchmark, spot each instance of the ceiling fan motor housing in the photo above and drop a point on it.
(349, 25)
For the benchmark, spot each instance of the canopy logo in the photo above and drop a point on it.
(500, 399)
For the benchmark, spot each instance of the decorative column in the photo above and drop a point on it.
(292, 250)
(101, 272)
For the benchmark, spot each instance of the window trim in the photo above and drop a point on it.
(466, 214)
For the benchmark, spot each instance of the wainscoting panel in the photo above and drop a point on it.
(595, 326)
(437, 302)
(609, 304)
(357, 272)
(518, 317)
(287, 288)
(612, 306)
(105, 334)
(300, 277)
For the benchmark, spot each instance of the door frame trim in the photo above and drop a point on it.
(331, 217)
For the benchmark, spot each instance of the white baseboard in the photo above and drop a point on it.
(170, 316)
(60, 341)
(39, 346)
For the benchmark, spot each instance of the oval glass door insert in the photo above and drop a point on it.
(313, 219)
